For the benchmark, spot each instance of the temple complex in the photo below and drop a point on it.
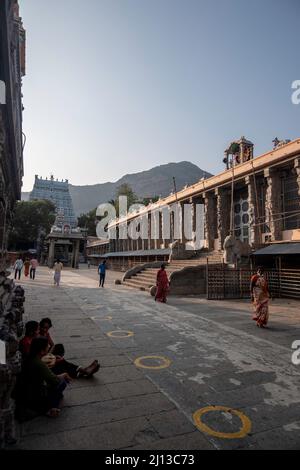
(64, 239)
(253, 205)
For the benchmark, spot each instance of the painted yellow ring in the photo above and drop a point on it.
(245, 429)
(114, 334)
(101, 319)
(165, 362)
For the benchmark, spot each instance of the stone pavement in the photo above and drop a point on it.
(210, 354)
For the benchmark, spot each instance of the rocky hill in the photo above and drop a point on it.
(155, 182)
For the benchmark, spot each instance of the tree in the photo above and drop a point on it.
(149, 200)
(88, 221)
(31, 223)
(125, 190)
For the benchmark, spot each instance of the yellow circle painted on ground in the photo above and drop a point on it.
(165, 362)
(101, 319)
(245, 429)
(116, 334)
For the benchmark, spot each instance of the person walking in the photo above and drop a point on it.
(260, 296)
(26, 267)
(102, 272)
(18, 266)
(57, 272)
(162, 284)
(33, 265)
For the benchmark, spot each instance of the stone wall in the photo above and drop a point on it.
(189, 281)
(11, 330)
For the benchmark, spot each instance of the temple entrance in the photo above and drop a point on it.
(64, 246)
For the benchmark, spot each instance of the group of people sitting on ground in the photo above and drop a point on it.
(45, 372)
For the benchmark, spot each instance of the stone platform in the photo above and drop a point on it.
(218, 381)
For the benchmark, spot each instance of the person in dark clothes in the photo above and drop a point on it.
(39, 389)
(61, 364)
(31, 331)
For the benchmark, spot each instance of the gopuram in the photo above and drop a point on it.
(64, 239)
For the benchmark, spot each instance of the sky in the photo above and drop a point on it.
(119, 86)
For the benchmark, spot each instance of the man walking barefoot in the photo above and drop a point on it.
(102, 272)
(57, 272)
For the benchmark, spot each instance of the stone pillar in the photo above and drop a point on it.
(167, 223)
(273, 203)
(139, 244)
(155, 219)
(160, 240)
(210, 220)
(149, 233)
(223, 215)
(51, 253)
(254, 228)
(183, 239)
(76, 256)
(297, 168)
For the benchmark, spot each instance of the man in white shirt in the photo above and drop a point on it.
(18, 266)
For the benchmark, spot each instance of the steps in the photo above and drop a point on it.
(147, 278)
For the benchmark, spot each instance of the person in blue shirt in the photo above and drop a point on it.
(102, 271)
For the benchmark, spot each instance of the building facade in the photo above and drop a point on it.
(12, 69)
(255, 199)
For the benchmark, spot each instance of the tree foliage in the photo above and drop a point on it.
(125, 190)
(32, 222)
(89, 222)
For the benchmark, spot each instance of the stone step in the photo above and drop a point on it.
(137, 284)
(140, 282)
(145, 276)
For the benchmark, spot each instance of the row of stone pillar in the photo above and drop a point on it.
(217, 216)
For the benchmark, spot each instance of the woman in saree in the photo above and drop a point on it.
(162, 284)
(26, 267)
(260, 298)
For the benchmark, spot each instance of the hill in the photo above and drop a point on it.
(157, 181)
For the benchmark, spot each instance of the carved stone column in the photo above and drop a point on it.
(254, 229)
(210, 220)
(155, 216)
(273, 203)
(223, 215)
(297, 168)
(51, 253)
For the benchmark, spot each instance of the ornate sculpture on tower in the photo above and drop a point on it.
(239, 151)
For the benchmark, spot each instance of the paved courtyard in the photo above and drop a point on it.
(216, 381)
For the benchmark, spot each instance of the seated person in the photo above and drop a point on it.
(61, 365)
(45, 325)
(39, 390)
(31, 331)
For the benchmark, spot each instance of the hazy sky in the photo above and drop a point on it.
(119, 86)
